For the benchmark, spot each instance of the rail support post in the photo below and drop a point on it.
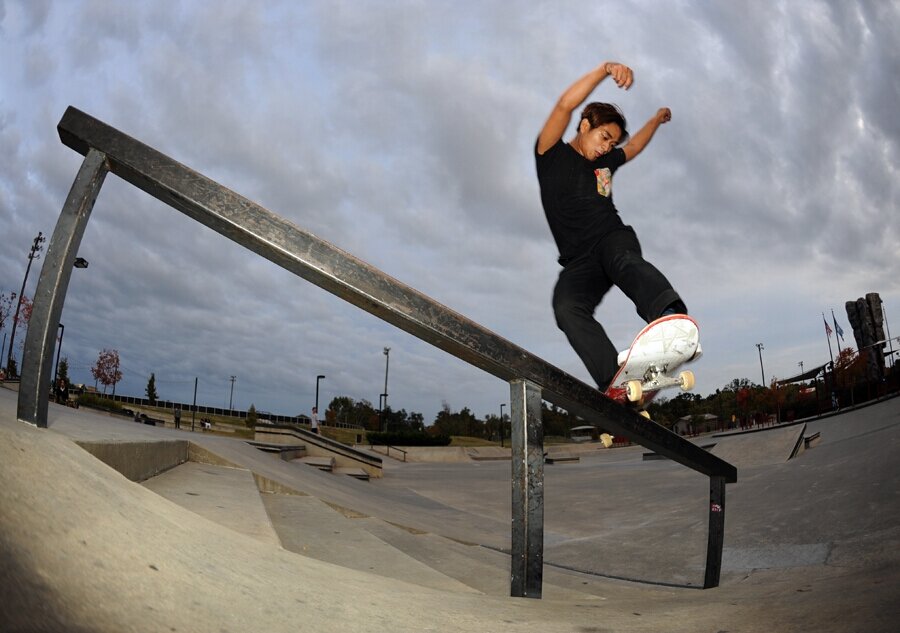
(527, 437)
(716, 532)
(37, 361)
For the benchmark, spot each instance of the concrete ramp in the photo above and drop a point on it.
(759, 448)
(85, 549)
(227, 496)
(311, 528)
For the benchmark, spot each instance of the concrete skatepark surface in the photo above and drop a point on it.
(811, 543)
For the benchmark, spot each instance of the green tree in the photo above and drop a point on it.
(557, 421)
(152, 396)
(345, 410)
(416, 421)
(401, 421)
(464, 423)
(62, 370)
(252, 417)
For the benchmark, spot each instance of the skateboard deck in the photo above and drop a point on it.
(653, 360)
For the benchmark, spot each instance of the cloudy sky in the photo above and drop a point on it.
(402, 132)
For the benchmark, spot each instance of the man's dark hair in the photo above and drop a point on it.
(599, 113)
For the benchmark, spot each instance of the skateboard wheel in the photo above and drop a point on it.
(634, 390)
(687, 380)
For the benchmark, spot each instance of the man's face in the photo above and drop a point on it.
(600, 140)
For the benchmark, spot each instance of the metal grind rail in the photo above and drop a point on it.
(531, 379)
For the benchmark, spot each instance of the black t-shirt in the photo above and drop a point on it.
(577, 197)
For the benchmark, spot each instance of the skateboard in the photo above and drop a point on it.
(653, 359)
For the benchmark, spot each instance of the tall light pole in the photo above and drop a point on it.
(36, 248)
(318, 378)
(384, 396)
(80, 262)
(62, 330)
(502, 404)
(387, 359)
(762, 371)
(231, 396)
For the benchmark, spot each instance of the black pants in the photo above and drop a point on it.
(614, 261)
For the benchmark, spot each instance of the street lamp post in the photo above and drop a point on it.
(762, 371)
(80, 262)
(384, 396)
(318, 378)
(62, 331)
(502, 404)
(231, 395)
(387, 359)
(36, 247)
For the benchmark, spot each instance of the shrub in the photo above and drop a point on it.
(407, 438)
(98, 402)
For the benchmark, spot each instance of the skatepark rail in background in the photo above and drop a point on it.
(531, 379)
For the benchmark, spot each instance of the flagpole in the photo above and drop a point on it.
(838, 332)
(890, 342)
(828, 338)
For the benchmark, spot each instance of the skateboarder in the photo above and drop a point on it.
(596, 249)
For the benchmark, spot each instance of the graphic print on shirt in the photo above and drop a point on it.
(604, 181)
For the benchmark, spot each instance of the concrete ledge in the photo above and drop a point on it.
(560, 459)
(489, 453)
(356, 473)
(319, 446)
(322, 463)
(202, 455)
(434, 454)
(139, 461)
(812, 440)
(799, 445)
(286, 452)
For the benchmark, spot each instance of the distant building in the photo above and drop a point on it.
(694, 424)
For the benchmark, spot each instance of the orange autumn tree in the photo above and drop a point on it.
(106, 369)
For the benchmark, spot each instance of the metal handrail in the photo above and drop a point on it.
(531, 378)
(388, 448)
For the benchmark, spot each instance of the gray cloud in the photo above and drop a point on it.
(404, 135)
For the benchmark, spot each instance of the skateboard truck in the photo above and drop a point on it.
(655, 379)
(650, 363)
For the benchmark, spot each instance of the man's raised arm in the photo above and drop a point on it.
(639, 141)
(575, 95)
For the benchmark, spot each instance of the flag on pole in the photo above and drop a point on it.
(828, 338)
(837, 328)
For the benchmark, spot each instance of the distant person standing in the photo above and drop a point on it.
(177, 417)
(314, 420)
(62, 391)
